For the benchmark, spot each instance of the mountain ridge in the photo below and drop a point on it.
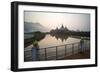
(32, 27)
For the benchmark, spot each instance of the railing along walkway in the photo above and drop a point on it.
(56, 52)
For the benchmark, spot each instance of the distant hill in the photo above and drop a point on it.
(32, 27)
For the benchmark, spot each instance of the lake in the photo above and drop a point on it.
(52, 47)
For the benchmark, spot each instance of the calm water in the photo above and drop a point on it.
(50, 41)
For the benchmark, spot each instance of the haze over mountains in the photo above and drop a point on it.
(32, 27)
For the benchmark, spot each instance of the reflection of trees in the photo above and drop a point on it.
(37, 37)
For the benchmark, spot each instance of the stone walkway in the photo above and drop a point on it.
(84, 55)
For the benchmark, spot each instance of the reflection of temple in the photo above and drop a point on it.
(61, 37)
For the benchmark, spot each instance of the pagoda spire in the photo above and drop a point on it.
(62, 26)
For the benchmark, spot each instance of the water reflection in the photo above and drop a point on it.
(44, 48)
(63, 37)
(46, 38)
(37, 36)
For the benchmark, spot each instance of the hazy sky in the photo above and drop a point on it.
(52, 20)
